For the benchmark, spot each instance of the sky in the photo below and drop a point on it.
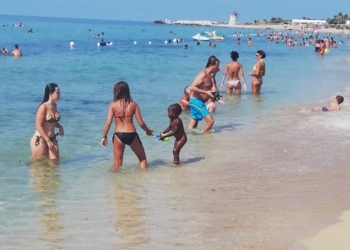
(150, 10)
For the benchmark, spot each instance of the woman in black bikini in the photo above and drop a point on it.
(43, 144)
(122, 109)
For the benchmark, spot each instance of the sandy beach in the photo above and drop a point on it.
(284, 27)
(232, 193)
(242, 202)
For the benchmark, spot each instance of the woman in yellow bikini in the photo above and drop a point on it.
(259, 70)
(43, 144)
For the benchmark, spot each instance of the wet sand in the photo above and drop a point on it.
(281, 186)
(263, 190)
(335, 236)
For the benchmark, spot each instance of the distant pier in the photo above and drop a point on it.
(191, 22)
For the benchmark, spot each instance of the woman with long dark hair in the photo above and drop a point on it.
(123, 109)
(43, 144)
(259, 70)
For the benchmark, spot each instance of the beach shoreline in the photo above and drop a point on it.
(278, 27)
(291, 27)
(270, 176)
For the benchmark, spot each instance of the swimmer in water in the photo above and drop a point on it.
(333, 106)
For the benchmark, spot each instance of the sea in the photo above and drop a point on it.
(78, 203)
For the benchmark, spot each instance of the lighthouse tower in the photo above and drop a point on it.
(233, 19)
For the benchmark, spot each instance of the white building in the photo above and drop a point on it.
(347, 23)
(308, 22)
(233, 19)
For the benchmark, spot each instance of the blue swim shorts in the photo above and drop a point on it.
(198, 109)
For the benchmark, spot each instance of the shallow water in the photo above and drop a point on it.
(79, 203)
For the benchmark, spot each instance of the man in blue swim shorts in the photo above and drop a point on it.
(201, 91)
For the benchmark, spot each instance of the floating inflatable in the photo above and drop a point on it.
(217, 38)
(198, 37)
(100, 44)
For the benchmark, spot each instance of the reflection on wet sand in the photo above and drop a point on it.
(130, 217)
(256, 99)
(46, 181)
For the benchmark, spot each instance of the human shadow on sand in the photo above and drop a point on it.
(228, 127)
(162, 163)
(192, 160)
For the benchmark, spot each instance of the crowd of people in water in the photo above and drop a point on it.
(199, 99)
(299, 40)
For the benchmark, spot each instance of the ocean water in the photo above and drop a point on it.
(49, 206)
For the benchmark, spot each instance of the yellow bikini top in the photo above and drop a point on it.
(261, 60)
(53, 118)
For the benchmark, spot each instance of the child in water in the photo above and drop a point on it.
(184, 101)
(176, 129)
(334, 105)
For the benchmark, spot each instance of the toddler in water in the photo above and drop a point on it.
(184, 101)
(334, 105)
(176, 129)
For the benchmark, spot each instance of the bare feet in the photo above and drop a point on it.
(114, 169)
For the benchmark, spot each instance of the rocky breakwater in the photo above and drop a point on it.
(190, 22)
(199, 23)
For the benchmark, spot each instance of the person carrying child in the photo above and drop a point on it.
(334, 105)
(176, 129)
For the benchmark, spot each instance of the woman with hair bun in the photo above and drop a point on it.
(122, 110)
(232, 69)
(43, 144)
(259, 70)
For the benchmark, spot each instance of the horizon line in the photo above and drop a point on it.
(79, 18)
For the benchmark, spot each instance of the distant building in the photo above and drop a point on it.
(308, 22)
(347, 23)
(165, 21)
(233, 19)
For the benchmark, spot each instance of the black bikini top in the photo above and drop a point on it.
(121, 117)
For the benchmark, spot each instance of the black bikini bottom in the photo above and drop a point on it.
(126, 138)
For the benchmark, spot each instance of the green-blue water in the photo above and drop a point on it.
(156, 73)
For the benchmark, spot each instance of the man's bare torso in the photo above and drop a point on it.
(17, 53)
(206, 84)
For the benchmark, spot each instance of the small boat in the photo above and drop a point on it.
(19, 25)
(217, 38)
(100, 44)
(198, 37)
